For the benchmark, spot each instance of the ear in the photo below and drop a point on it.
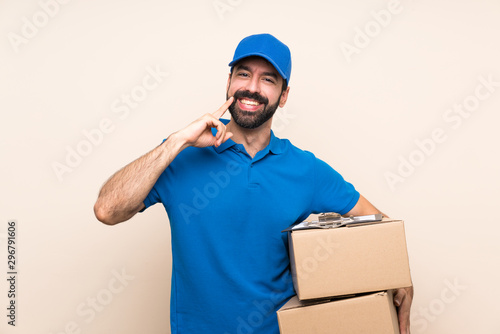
(284, 97)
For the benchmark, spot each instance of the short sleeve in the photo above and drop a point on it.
(331, 192)
(151, 199)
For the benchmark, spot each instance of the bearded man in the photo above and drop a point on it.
(229, 188)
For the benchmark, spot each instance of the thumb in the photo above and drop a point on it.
(227, 136)
(398, 297)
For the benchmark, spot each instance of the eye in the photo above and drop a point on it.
(243, 74)
(270, 80)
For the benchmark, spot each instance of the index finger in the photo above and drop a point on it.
(218, 114)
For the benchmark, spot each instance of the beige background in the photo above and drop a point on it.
(361, 113)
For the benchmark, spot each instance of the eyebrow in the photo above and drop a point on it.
(246, 68)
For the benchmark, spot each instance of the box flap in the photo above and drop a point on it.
(295, 302)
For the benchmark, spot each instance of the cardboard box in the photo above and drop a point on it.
(349, 260)
(374, 313)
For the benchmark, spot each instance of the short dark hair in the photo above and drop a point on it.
(284, 86)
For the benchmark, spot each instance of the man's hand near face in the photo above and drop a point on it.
(199, 132)
(123, 194)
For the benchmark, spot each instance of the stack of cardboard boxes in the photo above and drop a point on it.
(344, 278)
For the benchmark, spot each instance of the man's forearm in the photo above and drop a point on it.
(122, 196)
(364, 207)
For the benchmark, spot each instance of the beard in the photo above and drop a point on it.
(251, 120)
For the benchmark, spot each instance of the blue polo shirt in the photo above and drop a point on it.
(230, 271)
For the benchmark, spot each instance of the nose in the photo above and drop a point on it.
(253, 85)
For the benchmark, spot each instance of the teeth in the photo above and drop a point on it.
(252, 103)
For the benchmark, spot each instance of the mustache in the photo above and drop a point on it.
(249, 95)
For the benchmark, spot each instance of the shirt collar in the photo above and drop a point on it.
(275, 145)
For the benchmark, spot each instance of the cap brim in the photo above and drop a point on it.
(266, 57)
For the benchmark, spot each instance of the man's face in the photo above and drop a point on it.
(257, 90)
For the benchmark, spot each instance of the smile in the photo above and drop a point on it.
(249, 102)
